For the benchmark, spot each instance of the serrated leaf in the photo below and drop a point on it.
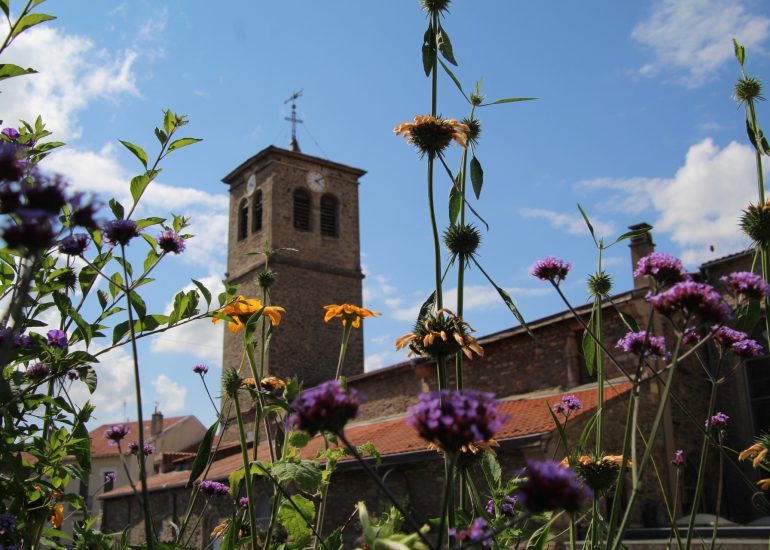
(589, 352)
(296, 518)
(202, 455)
(298, 439)
(445, 46)
(428, 51)
(454, 79)
(306, 475)
(490, 467)
(184, 142)
(117, 209)
(508, 100)
(137, 151)
(30, 20)
(477, 176)
(9, 70)
(103, 298)
(205, 291)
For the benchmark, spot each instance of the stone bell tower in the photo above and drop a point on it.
(287, 199)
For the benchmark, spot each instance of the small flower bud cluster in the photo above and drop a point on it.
(551, 269)
(719, 420)
(134, 448)
(213, 487)
(567, 405)
(639, 343)
(116, 433)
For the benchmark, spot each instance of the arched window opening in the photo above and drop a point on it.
(301, 210)
(329, 216)
(256, 211)
(243, 220)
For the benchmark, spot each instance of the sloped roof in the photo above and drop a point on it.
(529, 416)
(100, 447)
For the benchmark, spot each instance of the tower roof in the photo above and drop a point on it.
(272, 152)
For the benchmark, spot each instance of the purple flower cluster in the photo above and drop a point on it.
(327, 407)
(695, 298)
(737, 341)
(747, 348)
(110, 477)
(200, 369)
(478, 531)
(507, 506)
(120, 231)
(213, 487)
(639, 343)
(57, 339)
(746, 284)
(72, 374)
(74, 245)
(452, 420)
(170, 241)
(134, 448)
(116, 433)
(691, 336)
(37, 372)
(567, 405)
(15, 341)
(551, 486)
(678, 459)
(243, 502)
(719, 420)
(7, 523)
(551, 269)
(664, 268)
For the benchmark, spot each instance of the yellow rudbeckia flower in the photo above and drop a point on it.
(242, 308)
(349, 313)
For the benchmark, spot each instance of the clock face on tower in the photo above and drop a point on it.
(251, 184)
(316, 181)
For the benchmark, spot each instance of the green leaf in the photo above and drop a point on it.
(147, 222)
(137, 151)
(138, 304)
(168, 121)
(28, 21)
(427, 306)
(559, 427)
(138, 185)
(740, 52)
(204, 291)
(297, 520)
(116, 282)
(490, 467)
(298, 439)
(539, 539)
(589, 351)
(454, 79)
(306, 475)
(117, 209)
(9, 70)
(477, 176)
(119, 331)
(428, 51)
(81, 447)
(455, 204)
(508, 100)
(88, 376)
(184, 142)
(629, 234)
(629, 321)
(4, 7)
(588, 223)
(161, 135)
(445, 46)
(202, 455)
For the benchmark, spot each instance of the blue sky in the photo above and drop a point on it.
(634, 121)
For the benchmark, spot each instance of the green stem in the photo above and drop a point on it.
(247, 474)
(447, 509)
(9, 39)
(720, 488)
(343, 347)
(599, 362)
(148, 529)
(273, 519)
(572, 532)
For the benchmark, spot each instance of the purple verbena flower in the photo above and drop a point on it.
(200, 369)
(639, 343)
(74, 245)
(11, 133)
(478, 531)
(243, 502)
(747, 284)
(213, 487)
(133, 447)
(110, 477)
(719, 420)
(72, 374)
(664, 268)
(170, 241)
(37, 372)
(507, 506)
(23, 341)
(678, 459)
(327, 407)
(45, 193)
(567, 405)
(120, 231)
(452, 420)
(551, 486)
(116, 433)
(32, 232)
(83, 213)
(694, 298)
(57, 338)
(726, 336)
(691, 336)
(551, 269)
(747, 348)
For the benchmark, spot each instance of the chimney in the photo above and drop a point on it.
(641, 246)
(156, 424)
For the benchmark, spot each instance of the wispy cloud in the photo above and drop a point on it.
(170, 395)
(692, 39)
(574, 224)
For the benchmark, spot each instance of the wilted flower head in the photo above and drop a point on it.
(678, 459)
(134, 448)
(37, 372)
(478, 531)
(432, 135)
(327, 407)
(664, 268)
(116, 433)
(639, 343)
(83, 212)
(567, 405)
(719, 420)
(758, 452)
(57, 518)
(551, 486)
(551, 269)
(200, 369)
(213, 487)
(694, 298)
(171, 241)
(747, 284)
(120, 231)
(440, 335)
(349, 313)
(453, 420)
(272, 383)
(241, 309)
(74, 245)
(57, 338)
(598, 472)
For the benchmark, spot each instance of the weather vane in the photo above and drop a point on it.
(293, 119)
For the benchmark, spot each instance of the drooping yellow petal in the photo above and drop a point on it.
(58, 516)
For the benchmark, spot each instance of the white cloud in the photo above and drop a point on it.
(115, 387)
(72, 73)
(700, 205)
(574, 224)
(693, 38)
(169, 394)
(386, 358)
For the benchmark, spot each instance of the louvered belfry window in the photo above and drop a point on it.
(301, 210)
(243, 220)
(329, 216)
(256, 211)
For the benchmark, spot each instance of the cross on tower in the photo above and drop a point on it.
(293, 119)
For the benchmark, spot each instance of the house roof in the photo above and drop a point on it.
(529, 416)
(100, 447)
